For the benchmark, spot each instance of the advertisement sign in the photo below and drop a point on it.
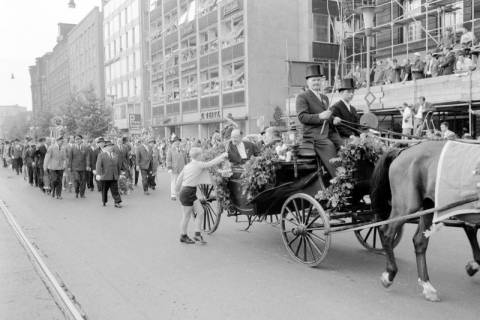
(210, 115)
(135, 123)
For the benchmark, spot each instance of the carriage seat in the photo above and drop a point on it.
(306, 150)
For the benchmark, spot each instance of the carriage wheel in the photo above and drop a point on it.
(370, 239)
(304, 229)
(211, 207)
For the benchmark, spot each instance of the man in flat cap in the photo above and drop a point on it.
(313, 113)
(55, 162)
(108, 171)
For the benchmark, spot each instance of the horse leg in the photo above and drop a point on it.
(421, 244)
(473, 266)
(387, 236)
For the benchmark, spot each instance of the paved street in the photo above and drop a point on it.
(128, 264)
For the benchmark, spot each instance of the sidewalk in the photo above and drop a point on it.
(23, 295)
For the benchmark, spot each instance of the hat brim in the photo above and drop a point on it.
(315, 76)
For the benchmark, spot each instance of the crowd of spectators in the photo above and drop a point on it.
(452, 56)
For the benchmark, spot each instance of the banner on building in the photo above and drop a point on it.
(135, 123)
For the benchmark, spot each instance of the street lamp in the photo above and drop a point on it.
(368, 13)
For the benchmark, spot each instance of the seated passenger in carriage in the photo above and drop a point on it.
(313, 113)
(240, 151)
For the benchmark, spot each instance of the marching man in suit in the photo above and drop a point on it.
(78, 164)
(143, 157)
(313, 113)
(94, 151)
(108, 171)
(342, 110)
(240, 151)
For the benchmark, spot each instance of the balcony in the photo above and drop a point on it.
(455, 89)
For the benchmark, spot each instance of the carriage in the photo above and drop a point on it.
(290, 202)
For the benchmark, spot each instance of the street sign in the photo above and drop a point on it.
(135, 123)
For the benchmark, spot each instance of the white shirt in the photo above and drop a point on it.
(419, 114)
(407, 118)
(241, 150)
(194, 169)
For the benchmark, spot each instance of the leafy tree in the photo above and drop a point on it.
(86, 115)
(43, 123)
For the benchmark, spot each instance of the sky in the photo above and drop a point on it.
(28, 29)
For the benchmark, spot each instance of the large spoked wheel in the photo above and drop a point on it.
(305, 227)
(370, 239)
(211, 206)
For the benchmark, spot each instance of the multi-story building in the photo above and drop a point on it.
(126, 60)
(212, 58)
(6, 112)
(38, 75)
(85, 50)
(58, 76)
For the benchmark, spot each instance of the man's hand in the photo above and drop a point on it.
(325, 115)
(336, 120)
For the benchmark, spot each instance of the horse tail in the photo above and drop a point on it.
(380, 193)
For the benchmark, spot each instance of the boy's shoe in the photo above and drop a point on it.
(198, 238)
(186, 239)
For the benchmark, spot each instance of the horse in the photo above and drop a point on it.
(403, 182)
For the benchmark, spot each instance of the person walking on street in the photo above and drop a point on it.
(17, 152)
(186, 187)
(78, 164)
(108, 171)
(55, 163)
(143, 157)
(176, 160)
(40, 153)
(155, 163)
(100, 143)
(28, 160)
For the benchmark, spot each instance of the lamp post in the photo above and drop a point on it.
(368, 13)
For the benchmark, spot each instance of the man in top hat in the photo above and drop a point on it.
(108, 171)
(343, 111)
(78, 164)
(313, 113)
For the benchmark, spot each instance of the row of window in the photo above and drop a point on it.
(125, 89)
(115, 47)
(233, 74)
(122, 17)
(123, 66)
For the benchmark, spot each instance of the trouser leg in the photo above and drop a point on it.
(40, 175)
(114, 189)
(59, 182)
(76, 181)
(105, 187)
(173, 183)
(325, 149)
(136, 176)
(30, 174)
(144, 173)
(82, 182)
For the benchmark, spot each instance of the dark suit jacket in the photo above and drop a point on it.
(78, 158)
(108, 167)
(143, 157)
(122, 153)
(40, 153)
(449, 65)
(93, 156)
(234, 156)
(308, 107)
(339, 109)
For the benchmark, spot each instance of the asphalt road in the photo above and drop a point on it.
(128, 264)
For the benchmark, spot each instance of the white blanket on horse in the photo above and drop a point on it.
(455, 178)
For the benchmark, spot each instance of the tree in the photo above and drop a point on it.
(16, 126)
(86, 115)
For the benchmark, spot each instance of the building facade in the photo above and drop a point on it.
(85, 50)
(58, 70)
(212, 58)
(125, 52)
(38, 76)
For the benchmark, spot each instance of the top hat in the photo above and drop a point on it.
(347, 84)
(314, 71)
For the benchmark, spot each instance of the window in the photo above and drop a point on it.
(454, 19)
(125, 89)
(137, 35)
(189, 49)
(206, 6)
(232, 31)
(123, 111)
(137, 61)
(323, 30)
(171, 21)
(189, 86)
(411, 9)
(172, 90)
(209, 81)
(138, 86)
(233, 75)
(208, 41)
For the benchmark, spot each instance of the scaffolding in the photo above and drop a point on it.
(400, 17)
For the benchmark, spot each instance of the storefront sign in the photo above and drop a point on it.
(135, 123)
(230, 7)
(210, 115)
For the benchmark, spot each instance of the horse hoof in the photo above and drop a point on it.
(472, 268)
(429, 292)
(431, 296)
(385, 281)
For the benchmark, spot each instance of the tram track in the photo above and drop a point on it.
(62, 296)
